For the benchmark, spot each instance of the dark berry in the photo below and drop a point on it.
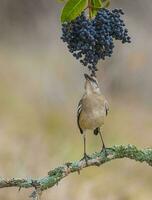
(92, 40)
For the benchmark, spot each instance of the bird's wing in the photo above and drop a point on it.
(79, 109)
(106, 107)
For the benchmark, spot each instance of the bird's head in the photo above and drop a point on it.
(91, 84)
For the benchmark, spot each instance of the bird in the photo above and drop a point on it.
(91, 111)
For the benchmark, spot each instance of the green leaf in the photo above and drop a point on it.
(105, 3)
(96, 4)
(72, 9)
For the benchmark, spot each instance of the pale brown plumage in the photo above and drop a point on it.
(93, 112)
(92, 109)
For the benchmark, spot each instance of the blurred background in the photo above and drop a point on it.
(40, 86)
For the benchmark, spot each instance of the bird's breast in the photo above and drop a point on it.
(93, 114)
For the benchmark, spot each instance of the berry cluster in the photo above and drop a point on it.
(92, 40)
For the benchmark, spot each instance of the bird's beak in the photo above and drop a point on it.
(87, 77)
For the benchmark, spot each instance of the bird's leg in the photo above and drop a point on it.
(85, 157)
(103, 145)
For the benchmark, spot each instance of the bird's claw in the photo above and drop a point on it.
(104, 151)
(86, 158)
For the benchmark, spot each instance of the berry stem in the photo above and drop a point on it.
(90, 8)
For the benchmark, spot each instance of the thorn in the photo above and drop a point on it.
(78, 171)
(36, 194)
(33, 195)
(19, 189)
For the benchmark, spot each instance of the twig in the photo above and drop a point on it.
(96, 159)
(90, 8)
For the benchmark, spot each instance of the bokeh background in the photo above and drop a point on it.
(40, 86)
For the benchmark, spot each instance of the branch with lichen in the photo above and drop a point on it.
(96, 159)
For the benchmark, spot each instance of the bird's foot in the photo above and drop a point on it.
(104, 151)
(86, 158)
